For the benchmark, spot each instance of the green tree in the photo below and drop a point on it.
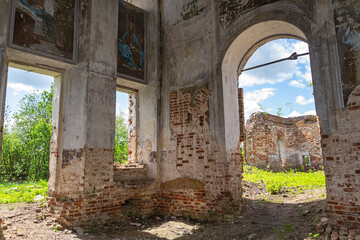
(279, 112)
(121, 139)
(26, 143)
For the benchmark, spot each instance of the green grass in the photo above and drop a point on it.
(275, 181)
(22, 192)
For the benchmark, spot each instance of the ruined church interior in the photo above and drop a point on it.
(180, 62)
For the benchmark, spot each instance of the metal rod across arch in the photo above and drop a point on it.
(293, 56)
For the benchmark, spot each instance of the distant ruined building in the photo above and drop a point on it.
(283, 143)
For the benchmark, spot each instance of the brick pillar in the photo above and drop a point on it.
(83, 172)
(3, 80)
(132, 143)
(241, 114)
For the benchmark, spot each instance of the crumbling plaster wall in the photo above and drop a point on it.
(148, 97)
(81, 185)
(281, 143)
(347, 20)
(188, 138)
(86, 191)
(341, 147)
(191, 103)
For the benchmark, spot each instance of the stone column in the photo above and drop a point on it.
(4, 26)
(85, 161)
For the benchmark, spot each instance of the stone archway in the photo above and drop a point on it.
(257, 27)
(236, 57)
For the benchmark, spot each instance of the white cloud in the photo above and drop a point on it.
(252, 99)
(293, 114)
(307, 74)
(297, 114)
(271, 74)
(120, 109)
(297, 84)
(19, 87)
(311, 112)
(301, 47)
(303, 101)
(278, 72)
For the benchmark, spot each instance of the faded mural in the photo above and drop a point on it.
(46, 26)
(131, 39)
(229, 10)
(347, 20)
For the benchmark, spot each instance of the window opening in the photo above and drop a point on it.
(125, 127)
(278, 99)
(306, 160)
(27, 128)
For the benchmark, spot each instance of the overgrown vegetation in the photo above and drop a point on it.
(26, 142)
(22, 192)
(121, 139)
(275, 181)
(27, 135)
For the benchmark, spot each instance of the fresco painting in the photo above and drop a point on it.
(131, 39)
(45, 26)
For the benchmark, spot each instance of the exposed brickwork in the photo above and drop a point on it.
(95, 197)
(102, 192)
(87, 189)
(342, 164)
(241, 114)
(129, 172)
(132, 144)
(199, 156)
(282, 143)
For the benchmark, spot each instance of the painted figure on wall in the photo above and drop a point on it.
(45, 25)
(131, 50)
(131, 37)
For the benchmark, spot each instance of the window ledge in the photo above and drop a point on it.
(130, 172)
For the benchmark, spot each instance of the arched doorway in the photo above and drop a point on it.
(245, 35)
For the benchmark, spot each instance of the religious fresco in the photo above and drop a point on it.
(347, 21)
(44, 27)
(230, 10)
(131, 42)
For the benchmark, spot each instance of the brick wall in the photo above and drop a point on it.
(132, 142)
(129, 171)
(282, 143)
(199, 159)
(342, 165)
(89, 195)
(95, 191)
(241, 114)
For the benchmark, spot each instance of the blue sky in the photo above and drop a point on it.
(21, 82)
(272, 87)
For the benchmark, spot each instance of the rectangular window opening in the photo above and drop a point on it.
(125, 127)
(29, 123)
(306, 160)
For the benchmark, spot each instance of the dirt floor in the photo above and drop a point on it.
(291, 214)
